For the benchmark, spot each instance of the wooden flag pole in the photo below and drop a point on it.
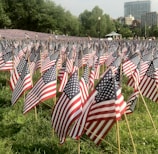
(135, 152)
(125, 114)
(32, 81)
(147, 109)
(145, 105)
(105, 141)
(118, 137)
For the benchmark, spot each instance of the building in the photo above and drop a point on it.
(129, 20)
(137, 8)
(149, 19)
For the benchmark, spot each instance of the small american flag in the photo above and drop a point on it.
(44, 89)
(148, 85)
(68, 108)
(49, 61)
(24, 83)
(100, 106)
(131, 103)
(69, 62)
(84, 85)
(6, 61)
(16, 72)
(130, 65)
(91, 78)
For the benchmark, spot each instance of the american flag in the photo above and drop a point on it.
(86, 55)
(68, 108)
(134, 80)
(116, 63)
(109, 60)
(148, 85)
(100, 106)
(131, 102)
(101, 55)
(61, 71)
(105, 105)
(49, 61)
(63, 77)
(80, 56)
(24, 83)
(84, 85)
(130, 65)
(91, 78)
(16, 72)
(35, 63)
(69, 62)
(140, 70)
(97, 70)
(6, 61)
(43, 90)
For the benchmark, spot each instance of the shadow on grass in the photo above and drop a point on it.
(4, 102)
(3, 82)
(9, 130)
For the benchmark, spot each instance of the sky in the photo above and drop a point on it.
(114, 8)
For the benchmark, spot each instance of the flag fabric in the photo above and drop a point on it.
(49, 61)
(80, 58)
(86, 55)
(134, 80)
(92, 77)
(68, 108)
(35, 63)
(43, 90)
(105, 105)
(149, 85)
(24, 83)
(84, 85)
(69, 62)
(116, 63)
(6, 61)
(16, 72)
(130, 65)
(63, 77)
(99, 108)
(63, 81)
(131, 102)
(109, 60)
(61, 71)
(138, 74)
(97, 70)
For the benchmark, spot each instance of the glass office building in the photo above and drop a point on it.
(137, 8)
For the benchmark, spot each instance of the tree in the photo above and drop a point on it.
(4, 18)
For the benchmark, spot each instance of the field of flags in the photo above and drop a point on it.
(88, 74)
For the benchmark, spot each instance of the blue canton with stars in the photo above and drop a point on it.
(150, 71)
(21, 65)
(49, 75)
(8, 56)
(102, 83)
(25, 71)
(107, 93)
(72, 87)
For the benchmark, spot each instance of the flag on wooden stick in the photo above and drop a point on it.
(43, 90)
(104, 106)
(24, 83)
(68, 108)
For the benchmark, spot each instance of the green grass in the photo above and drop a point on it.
(24, 134)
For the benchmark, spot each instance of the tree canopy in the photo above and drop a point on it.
(46, 16)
